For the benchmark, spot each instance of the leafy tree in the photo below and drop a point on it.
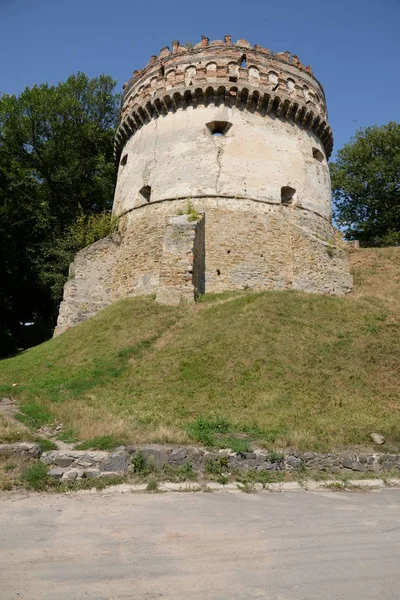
(57, 177)
(366, 186)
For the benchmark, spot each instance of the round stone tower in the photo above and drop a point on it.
(223, 180)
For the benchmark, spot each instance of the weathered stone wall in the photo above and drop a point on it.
(74, 464)
(248, 245)
(176, 156)
(240, 244)
(179, 275)
(90, 283)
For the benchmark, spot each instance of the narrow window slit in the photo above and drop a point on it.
(145, 193)
(317, 154)
(218, 127)
(287, 194)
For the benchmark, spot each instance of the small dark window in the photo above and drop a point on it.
(317, 154)
(218, 128)
(145, 193)
(124, 160)
(233, 79)
(218, 272)
(287, 194)
(243, 61)
(162, 71)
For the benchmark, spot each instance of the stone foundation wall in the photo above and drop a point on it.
(90, 283)
(248, 245)
(77, 464)
(72, 464)
(237, 244)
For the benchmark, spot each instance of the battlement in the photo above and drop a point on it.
(220, 72)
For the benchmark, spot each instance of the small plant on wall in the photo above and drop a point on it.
(190, 211)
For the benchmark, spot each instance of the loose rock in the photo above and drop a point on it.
(377, 438)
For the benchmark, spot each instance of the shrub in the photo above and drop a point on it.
(36, 477)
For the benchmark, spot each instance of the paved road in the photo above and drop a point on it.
(196, 546)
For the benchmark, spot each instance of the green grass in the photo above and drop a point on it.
(103, 442)
(45, 445)
(36, 477)
(285, 368)
(34, 415)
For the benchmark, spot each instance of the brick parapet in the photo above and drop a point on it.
(277, 84)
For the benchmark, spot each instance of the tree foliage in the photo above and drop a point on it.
(366, 186)
(57, 177)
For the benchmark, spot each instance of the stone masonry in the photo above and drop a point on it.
(181, 276)
(75, 464)
(241, 135)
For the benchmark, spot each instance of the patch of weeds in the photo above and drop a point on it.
(102, 442)
(6, 483)
(152, 486)
(264, 437)
(143, 466)
(45, 445)
(263, 477)
(190, 211)
(211, 433)
(335, 485)
(34, 415)
(247, 487)
(98, 483)
(216, 466)
(183, 473)
(234, 443)
(68, 436)
(36, 477)
(222, 479)
(301, 472)
(139, 462)
(274, 457)
(204, 430)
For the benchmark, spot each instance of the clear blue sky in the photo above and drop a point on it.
(353, 46)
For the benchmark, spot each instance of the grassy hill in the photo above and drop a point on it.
(280, 368)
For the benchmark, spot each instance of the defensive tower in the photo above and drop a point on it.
(223, 182)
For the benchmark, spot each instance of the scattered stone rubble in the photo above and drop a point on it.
(24, 449)
(75, 464)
